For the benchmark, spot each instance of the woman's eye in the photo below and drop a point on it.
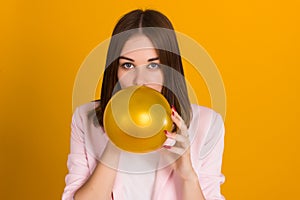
(127, 65)
(153, 65)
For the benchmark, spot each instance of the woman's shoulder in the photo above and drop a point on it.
(87, 107)
(86, 111)
(204, 111)
(206, 117)
(210, 125)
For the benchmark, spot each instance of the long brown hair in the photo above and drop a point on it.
(158, 28)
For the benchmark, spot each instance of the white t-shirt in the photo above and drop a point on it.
(137, 175)
(138, 186)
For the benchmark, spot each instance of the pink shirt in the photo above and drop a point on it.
(88, 142)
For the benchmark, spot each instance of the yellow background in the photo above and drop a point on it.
(255, 45)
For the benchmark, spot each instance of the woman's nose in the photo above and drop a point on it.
(140, 76)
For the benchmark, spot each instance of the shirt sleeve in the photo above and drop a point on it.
(211, 154)
(77, 159)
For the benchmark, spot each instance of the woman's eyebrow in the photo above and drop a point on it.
(152, 59)
(123, 57)
(130, 59)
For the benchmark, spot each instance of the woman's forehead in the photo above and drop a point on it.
(137, 42)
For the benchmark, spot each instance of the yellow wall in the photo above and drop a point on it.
(254, 44)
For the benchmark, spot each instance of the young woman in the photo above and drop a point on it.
(144, 51)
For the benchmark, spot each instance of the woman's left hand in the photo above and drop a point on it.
(178, 143)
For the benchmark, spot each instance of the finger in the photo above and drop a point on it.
(177, 119)
(176, 150)
(177, 137)
(181, 125)
(169, 142)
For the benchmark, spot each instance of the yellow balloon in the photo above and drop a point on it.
(135, 119)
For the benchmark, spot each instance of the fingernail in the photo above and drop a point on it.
(172, 113)
(167, 147)
(169, 142)
(167, 133)
(173, 107)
